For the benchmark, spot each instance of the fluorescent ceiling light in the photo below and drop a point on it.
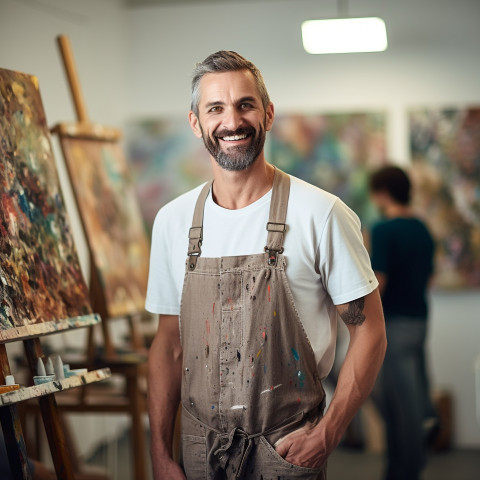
(344, 35)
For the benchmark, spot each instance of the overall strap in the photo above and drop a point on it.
(195, 234)
(276, 225)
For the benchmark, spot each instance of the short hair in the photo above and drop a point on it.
(394, 181)
(225, 61)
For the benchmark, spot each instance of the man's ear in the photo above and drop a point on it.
(269, 114)
(194, 124)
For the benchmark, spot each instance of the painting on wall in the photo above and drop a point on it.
(40, 276)
(445, 151)
(166, 160)
(112, 220)
(335, 152)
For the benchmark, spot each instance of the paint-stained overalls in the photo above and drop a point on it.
(249, 371)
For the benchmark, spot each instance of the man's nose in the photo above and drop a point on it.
(232, 119)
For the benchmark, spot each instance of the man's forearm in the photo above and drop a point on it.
(164, 384)
(355, 382)
(360, 368)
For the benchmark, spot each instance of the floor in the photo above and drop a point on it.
(344, 464)
(452, 465)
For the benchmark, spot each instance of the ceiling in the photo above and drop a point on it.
(141, 3)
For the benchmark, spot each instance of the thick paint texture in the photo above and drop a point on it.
(40, 276)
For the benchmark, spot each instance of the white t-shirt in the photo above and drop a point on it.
(327, 263)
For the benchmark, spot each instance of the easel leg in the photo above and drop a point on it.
(51, 419)
(136, 336)
(14, 442)
(137, 409)
(56, 438)
(12, 428)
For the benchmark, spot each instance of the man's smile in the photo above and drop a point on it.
(237, 137)
(234, 138)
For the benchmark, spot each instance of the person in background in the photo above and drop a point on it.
(402, 252)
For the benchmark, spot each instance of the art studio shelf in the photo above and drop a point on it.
(34, 330)
(56, 386)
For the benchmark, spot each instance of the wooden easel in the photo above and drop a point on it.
(88, 135)
(84, 136)
(28, 272)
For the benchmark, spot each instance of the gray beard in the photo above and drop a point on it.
(238, 160)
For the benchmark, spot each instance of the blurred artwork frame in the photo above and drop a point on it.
(42, 289)
(112, 221)
(445, 152)
(166, 160)
(334, 151)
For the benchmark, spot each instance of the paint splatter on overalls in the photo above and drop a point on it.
(249, 371)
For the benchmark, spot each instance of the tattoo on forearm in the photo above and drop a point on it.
(354, 315)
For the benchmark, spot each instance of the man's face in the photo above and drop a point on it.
(231, 119)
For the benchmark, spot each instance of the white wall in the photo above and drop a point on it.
(99, 34)
(137, 62)
(454, 345)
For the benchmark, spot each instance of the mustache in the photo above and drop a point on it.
(238, 131)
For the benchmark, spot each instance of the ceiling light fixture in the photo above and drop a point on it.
(344, 35)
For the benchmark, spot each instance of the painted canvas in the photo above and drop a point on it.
(112, 220)
(40, 276)
(166, 160)
(445, 150)
(335, 152)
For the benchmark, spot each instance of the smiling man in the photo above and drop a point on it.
(248, 274)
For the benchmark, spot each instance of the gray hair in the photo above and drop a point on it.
(225, 61)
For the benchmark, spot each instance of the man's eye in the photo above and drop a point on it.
(246, 105)
(214, 109)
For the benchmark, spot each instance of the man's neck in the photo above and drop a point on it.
(235, 190)
(396, 210)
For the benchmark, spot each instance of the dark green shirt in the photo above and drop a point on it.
(402, 249)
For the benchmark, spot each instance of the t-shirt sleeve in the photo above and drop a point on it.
(379, 249)
(344, 263)
(162, 294)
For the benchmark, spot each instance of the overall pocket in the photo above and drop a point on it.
(194, 457)
(271, 461)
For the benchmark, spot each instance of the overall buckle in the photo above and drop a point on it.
(192, 261)
(273, 255)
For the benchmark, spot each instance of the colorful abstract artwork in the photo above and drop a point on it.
(445, 150)
(335, 152)
(112, 221)
(166, 160)
(40, 276)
